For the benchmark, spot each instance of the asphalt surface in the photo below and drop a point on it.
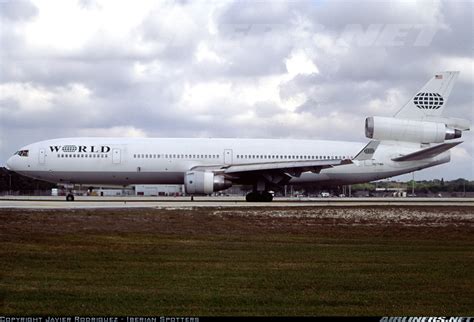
(48, 202)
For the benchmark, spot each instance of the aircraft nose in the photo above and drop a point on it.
(10, 164)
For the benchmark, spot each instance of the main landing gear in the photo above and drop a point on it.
(70, 197)
(256, 196)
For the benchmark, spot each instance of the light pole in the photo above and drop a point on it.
(10, 186)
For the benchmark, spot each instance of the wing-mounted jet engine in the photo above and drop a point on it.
(205, 182)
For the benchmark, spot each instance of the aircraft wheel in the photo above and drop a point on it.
(70, 197)
(259, 197)
(266, 197)
(252, 197)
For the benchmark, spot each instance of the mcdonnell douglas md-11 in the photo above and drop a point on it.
(414, 138)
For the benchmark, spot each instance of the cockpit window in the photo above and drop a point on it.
(22, 153)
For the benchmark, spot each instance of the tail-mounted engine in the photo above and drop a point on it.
(203, 182)
(395, 129)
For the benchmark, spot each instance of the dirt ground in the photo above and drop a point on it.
(429, 222)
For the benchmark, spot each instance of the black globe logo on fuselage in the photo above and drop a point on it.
(69, 148)
(428, 101)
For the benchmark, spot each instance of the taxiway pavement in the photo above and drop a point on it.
(48, 202)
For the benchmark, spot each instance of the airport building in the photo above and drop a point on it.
(159, 190)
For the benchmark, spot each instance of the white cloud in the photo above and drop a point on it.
(203, 53)
(28, 99)
(116, 131)
(463, 64)
(63, 27)
(387, 105)
(300, 63)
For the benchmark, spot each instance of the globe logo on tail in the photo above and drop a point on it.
(430, 101)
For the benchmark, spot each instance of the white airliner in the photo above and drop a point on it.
(413, 139)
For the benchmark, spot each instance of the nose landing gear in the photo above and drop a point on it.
(69, 197)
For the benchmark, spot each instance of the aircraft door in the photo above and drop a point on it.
(116, 156)
(227, 156)
(41, 156)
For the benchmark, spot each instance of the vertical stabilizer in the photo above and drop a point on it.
(431, 99)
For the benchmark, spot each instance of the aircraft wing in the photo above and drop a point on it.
(427, 153)
(287, 169)
(292, 167)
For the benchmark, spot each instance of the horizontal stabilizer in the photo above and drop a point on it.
(427, 153)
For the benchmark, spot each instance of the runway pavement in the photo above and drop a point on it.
(48, 202)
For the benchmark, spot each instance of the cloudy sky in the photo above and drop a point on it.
(266, 69)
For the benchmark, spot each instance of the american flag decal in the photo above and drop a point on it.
(438, 76)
